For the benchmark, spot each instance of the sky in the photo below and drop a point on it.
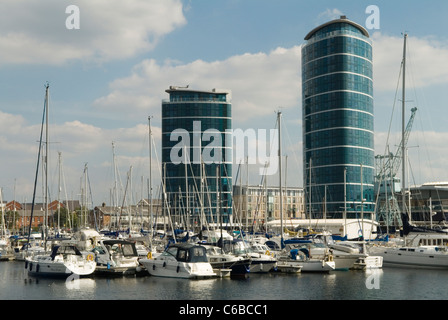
(109, 73)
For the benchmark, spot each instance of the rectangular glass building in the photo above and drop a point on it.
(197, 155)
(338, 121)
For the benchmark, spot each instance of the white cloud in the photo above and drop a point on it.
(79, 143)
(260, 83)
(263, 82)
(35, 32)
(329, 14)
(425, 60)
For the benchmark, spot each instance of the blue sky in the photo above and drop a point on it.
(107, 77)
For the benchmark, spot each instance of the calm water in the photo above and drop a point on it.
(385, 284)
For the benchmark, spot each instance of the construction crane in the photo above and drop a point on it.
(387, 184)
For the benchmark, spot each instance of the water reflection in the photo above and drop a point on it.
(386, 283)
(80, 284)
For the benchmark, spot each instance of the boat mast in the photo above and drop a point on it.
(279, 118)
(46, 163)
(150, 176)
(345, 201)
(38, 162)
(59, 192)
(403, 146)
(3, 227)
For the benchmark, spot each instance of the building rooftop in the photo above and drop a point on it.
(186, 89)
(341, 19)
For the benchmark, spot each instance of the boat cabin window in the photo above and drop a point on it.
(433, 242)
(64, 250)
(198, 254)
(172, 251)
(272, 245)
(182, 255)
(98, 250)
(68, 250)
(128, 250)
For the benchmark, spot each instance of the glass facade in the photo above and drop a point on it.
(196, 129)
(338, 121)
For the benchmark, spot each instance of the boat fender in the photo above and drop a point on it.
(164, 264)
(37, 268)
(153, 267)
(177, 269)
(26, 264)
(31, 267)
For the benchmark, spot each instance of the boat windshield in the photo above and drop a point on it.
(197, 254)
(172, 251)
(98, 250)
(65, 250)
(128, 250)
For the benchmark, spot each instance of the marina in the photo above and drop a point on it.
(201, 242)
(382, 284)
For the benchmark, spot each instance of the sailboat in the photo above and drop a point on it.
(290, 257)
(65, 259)
(418, 249)
(5, 246)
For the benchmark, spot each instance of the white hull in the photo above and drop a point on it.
(414, 257)
(369, 262)
(313, 265)
(175, 269)
(6, 252)
(288, 267)
(317, 266)
(45, 266)
(357, 261)
(116, 257)
(344, 261)
(6, 255)
(185, 261)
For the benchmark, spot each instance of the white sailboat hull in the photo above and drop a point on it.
(45, 266)
(414, 257)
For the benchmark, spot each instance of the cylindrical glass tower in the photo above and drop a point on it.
(197, 155)
(338, 121)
